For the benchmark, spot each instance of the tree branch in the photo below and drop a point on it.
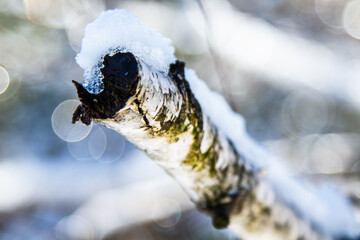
(158, 112)
(163, 118)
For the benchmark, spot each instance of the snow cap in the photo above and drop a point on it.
(120, 31)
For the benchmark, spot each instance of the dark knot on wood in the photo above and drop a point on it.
(120, 77)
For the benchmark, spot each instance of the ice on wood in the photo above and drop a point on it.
(120, 31)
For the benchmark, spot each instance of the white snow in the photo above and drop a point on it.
(324, 207)
(118, 30)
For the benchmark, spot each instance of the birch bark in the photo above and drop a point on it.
(159, 114)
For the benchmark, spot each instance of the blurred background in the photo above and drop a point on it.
(290, 67)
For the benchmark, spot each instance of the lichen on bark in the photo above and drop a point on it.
(159, 114)
(165, 110)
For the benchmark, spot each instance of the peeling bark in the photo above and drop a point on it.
(159, 114)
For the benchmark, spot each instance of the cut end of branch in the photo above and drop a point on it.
(120, 78)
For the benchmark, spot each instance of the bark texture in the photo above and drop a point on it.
(159, 114)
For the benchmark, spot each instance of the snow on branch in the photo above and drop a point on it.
(134, 85)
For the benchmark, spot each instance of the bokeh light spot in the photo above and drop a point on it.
(35, 8)
(61, 122)
(166, 207)
(102, 144)
(50, 13)
(331, 153)
(330, 12)
(304, 112)
(4, 80)
(351, 18)
(115, 147)
(327, 163)
(97, 143)
(80, 150)
(75, 32)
